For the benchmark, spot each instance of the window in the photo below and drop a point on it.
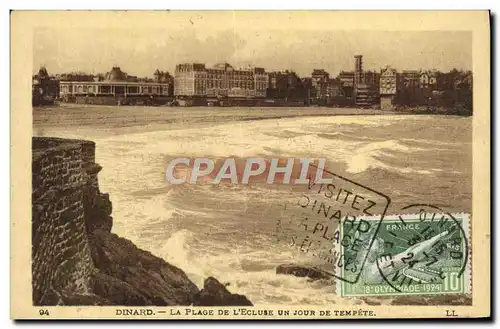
(105, 89)
(132, 90)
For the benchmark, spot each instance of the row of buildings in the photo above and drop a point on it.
(200, 84)
(350, 88)
(385, 88)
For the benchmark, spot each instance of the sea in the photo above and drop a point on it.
(226, 231)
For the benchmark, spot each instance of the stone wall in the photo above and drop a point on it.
(61, 259)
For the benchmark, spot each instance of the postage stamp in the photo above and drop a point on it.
(414, 254)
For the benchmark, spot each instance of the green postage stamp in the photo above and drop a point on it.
(411, 254)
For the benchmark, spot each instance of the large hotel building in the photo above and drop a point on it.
(219, 81)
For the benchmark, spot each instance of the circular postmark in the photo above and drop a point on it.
(423, 251)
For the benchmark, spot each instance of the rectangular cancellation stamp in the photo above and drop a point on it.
(414, 254)
(311, 224)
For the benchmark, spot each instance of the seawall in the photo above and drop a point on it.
(76, 260)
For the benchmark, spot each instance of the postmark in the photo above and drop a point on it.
(311, 224)
(420, 253)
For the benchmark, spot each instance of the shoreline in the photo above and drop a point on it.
(134, 118)
(407, 110)
(106, 117)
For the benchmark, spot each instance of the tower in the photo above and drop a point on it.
(358, 70)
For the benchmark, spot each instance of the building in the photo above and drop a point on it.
(388, 87)
(115, 86)
(359, 88)
(44, 88)
(388, 81)
(410, 79)
(371, 78)
(366, 95)
(428, 80)
(346, 79)
(320, 80)
(318, 76)
(163, 77)
(261, 82)
(219, 81)
(224, 81)
(358, 70)
(308, 85)
(287, 86)
(333, 91)
(410, 91)
(190, 80)
(116, 74)
(330, 90)
(366, 84)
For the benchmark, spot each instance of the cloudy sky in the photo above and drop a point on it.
(141, 51)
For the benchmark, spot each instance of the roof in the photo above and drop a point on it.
(346, 73)
(116, 74)
(388, 70)
(223, 66)
(411, 72)
(319, 71)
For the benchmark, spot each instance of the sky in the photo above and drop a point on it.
(141, 51)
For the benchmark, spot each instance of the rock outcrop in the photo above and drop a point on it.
(76, 260)
(311, 272)
(215, 294)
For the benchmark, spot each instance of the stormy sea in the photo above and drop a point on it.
(226, 231)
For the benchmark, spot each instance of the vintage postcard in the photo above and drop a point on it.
(250, 164)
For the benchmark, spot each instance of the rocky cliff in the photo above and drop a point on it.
(76, 260)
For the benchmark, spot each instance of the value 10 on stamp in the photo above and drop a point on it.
(414, 254)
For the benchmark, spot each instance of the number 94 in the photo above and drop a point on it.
(43, 312)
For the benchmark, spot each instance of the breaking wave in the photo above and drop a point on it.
(229, 240)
